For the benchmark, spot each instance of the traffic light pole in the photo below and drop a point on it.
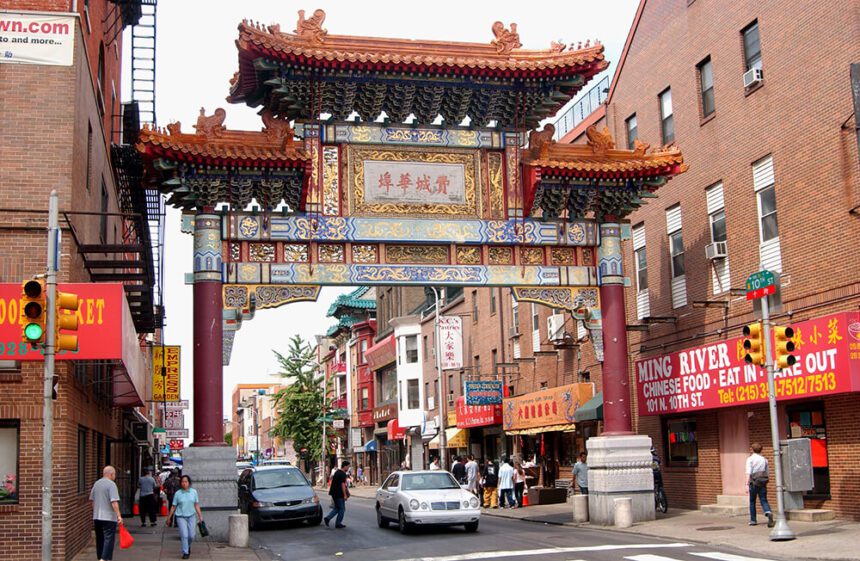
(48, 382)
(781, 531)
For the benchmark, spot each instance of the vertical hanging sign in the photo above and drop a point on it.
(451, 342)
(165, 387)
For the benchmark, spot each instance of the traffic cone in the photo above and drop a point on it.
(525, 499)
(136, 510)
(163, 508)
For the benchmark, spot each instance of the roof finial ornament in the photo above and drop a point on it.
(557, 46)
(639, 147)
(506, 40)
(174, 129)
(278, 130)
(211, 125)
(311, 28)
(601, 142)
(539, 141)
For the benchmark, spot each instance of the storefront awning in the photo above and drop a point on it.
(395, 431)
(538, 430)
(455, 438)
(591, 411)
(371, 446)
(382, 353)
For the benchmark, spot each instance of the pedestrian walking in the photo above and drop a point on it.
(106, 517)
(434, 465)
(757, 478)
(458, 470)
(472, 475)
(147, 503)
(519, 483)
(506, 484)
(490, 482)
(580, 473)
(171, 486)
(339, 493)
(186, 510)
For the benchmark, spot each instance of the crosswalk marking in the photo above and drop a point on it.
(726, 556)
(545, 551)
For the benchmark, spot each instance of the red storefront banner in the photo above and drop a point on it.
(100, 323)
(715, 375)
(382, 353)
(469, 416)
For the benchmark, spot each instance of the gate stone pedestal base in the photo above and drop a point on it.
(213, 474)
(619, 467)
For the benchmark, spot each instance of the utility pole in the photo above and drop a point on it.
(48, 381)
(443, 390)
(781, 531)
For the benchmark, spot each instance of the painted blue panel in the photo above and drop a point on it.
(484, 392)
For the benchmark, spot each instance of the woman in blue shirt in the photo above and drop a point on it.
(185, 505)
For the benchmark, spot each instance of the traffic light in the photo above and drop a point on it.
(34, 310)
(67, 320)
(754, 344)
(784, 347)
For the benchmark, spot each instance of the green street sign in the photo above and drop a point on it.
(158, 430)
(760, 284)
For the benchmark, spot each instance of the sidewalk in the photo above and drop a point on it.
(161, 543)
(834, 540)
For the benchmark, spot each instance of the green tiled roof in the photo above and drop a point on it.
(353, 300)
(343, 323)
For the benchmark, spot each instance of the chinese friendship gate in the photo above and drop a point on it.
(409, 199)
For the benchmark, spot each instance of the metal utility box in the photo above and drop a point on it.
(797, 464)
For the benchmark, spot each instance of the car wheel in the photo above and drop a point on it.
(471, 527)
(402, 525)
(381, 521)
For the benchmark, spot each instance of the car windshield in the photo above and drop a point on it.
(428, 481)
(270, 479)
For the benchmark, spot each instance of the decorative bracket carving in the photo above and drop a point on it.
(566, 297)
(261, 296)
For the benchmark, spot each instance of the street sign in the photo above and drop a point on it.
(337, 423)
(177, 433)
(760, 284)
(177, 444)
(183, 404)
(158, 430)
(174, 423)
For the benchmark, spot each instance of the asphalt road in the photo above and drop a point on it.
(497, 538)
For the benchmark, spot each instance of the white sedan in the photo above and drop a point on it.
(425, 498)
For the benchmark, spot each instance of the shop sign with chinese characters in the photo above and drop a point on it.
(469, 416)
(483, 392)
(545, 408)
(165, 386)
(414, 182)
(715, 375)
(451, 339)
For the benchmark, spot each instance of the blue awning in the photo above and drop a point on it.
(371, 446)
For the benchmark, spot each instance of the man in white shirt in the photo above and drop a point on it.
(506, 484)
(472, 474)
(757, 478)
(434, 465)
(106, 517)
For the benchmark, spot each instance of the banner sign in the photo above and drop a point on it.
(451, 338)
(469, 416)
(545, 408)
(174, 419)
(176, 433)
(484, 392)
(165, 387)
(182, 404)
(715, 375)
(414, 182)
(177, 444)
(99, 321)
(29, 38)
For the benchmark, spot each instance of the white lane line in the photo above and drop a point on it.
(650, 557)
(727, 556)
(545, 551)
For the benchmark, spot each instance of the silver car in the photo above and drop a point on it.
(425, 498)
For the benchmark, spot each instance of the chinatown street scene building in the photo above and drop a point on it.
(753, 199)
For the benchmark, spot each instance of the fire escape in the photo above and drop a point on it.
(136, 262)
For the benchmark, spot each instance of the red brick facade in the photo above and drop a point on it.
(795, 116)
(56, 136)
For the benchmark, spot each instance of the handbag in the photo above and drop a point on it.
(202, 529)
(126, 540)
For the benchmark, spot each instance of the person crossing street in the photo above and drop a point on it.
(339, 492)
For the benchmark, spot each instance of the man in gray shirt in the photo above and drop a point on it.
(580, 472)
(147, 503)
(106, 516)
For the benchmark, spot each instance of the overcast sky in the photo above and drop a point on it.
(196, 56)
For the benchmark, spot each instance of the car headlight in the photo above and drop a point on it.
(424, 506)
(473, 502)
(315, 500)
(309, 500)
(261, 504)
(413, 504)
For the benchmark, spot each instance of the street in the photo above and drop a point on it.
(497, 538)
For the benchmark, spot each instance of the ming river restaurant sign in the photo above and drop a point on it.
(715, 375)
(100, 325)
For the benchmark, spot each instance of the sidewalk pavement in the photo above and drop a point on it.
(161, 543)
(833, 540)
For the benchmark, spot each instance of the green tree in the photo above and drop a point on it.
(301, 404)
(228, 438)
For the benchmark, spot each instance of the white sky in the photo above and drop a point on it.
(196, 56)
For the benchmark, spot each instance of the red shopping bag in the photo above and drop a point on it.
(126, 540)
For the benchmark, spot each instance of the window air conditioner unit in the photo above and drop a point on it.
(450, 399)
(555, 327)
(753, 77)
(513, 331)
(140, 431)
(716, 250)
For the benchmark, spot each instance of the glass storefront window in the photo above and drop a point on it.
(808, 421)
(682, 445)
(388, 385)
(9, 445)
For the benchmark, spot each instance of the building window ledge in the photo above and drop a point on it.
(752, 90)
(708, 119)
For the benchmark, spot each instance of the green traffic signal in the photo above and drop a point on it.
(33, 331)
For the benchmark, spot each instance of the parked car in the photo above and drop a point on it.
(425, 498)
(277, 494)
(241, 466)
(275, 462)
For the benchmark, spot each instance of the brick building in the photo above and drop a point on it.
(61, 129)
(759, 98)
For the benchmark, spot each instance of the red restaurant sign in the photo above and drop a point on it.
(477, 415)
(715, 375)
(100, 322)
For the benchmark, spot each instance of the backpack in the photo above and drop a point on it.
(759, 478)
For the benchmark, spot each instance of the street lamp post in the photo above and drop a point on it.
(443, 440)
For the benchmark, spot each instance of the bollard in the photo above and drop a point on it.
(580, 508)
(623, 512)
(238, 530)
